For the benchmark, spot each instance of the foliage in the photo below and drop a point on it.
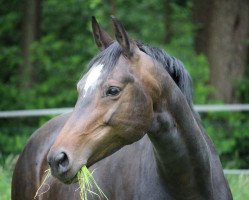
(242, 87)
(14, 133)
(229, 132)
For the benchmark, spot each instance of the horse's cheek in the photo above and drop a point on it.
(145, 112)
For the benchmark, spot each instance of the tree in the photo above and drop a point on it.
(223, 29)
(30, 33)
(167, 21)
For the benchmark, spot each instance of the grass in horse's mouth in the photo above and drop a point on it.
(86, 183)
(40, 191)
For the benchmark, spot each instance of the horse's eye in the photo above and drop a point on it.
(113, 91)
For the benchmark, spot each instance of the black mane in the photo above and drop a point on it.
(174, 67)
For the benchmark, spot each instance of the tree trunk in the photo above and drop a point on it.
(201, 17)
(113, 7)
(224, 42)
(30, 33)
(167, 21)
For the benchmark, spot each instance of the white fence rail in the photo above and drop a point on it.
(34, 113)
(236, 171)
(222, 108)
(57, 111)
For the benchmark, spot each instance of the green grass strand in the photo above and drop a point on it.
(87, 183)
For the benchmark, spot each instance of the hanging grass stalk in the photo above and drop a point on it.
(87, 182)
(39, 192)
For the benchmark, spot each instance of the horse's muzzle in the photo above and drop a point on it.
(60, 165)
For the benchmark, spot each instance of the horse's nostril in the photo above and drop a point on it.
(62, 160)
(59, 163)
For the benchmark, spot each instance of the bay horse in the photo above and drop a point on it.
(134, 124)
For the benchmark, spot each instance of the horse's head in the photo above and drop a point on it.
(114, 106)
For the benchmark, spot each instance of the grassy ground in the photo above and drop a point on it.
(5, 177)
(239, 183)
(4, 184)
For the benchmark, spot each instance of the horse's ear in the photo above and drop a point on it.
(102, 39)
(128, 45)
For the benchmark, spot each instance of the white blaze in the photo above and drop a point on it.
(91, 78)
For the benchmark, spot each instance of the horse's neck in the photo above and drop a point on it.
(181, 149)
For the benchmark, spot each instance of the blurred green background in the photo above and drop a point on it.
(45, 46)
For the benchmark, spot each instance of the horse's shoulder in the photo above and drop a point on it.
(34, 154)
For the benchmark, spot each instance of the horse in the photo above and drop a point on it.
(133, 124)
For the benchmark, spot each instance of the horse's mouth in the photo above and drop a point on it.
(97, 156)
(74, 179)
(66, 179)
(70, 181)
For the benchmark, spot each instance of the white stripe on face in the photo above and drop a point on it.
(90, 80)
